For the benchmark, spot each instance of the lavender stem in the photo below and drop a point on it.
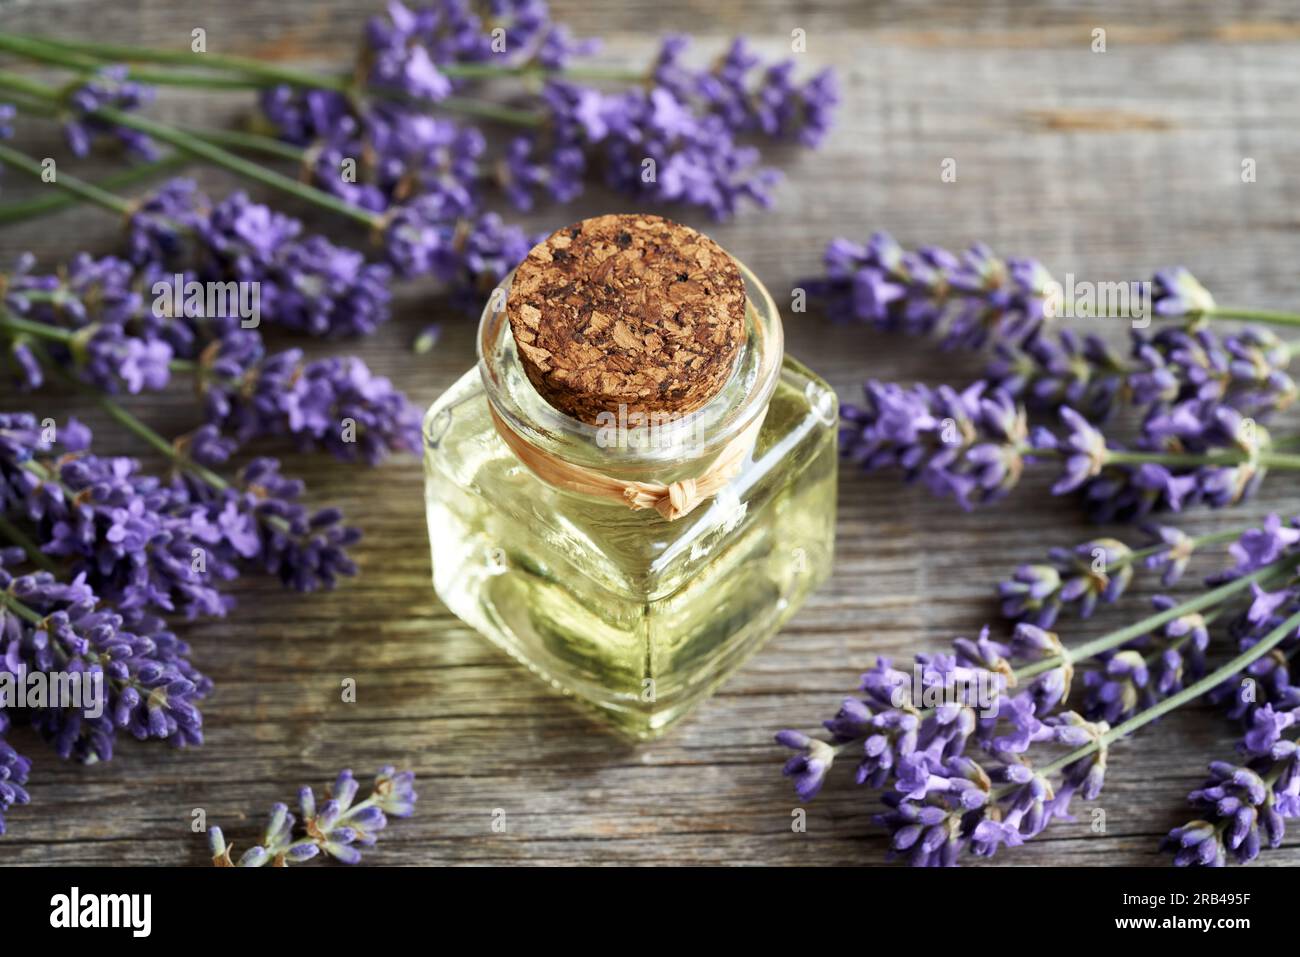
(22, 210)
(1174, 701)
(257, 74)
(65, 181)
(199, 148)
(1271, 316)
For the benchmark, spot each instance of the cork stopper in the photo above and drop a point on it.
(627, 310)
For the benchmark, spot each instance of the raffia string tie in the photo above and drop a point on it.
(671, 500)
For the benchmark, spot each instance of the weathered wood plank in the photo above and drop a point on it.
(1106, 165)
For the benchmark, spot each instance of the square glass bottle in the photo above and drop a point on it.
(636, 614)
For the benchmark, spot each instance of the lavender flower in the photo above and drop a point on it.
(472, 256)
(108, 88)
(912, 720)
(687, 121)
(970, 445)
(1241, 812)
(1245, 371)
(14, 769)
(1147, 669)
(305, 283)
(306, 550)
(404, 154)
(150, 687)
(1177, 294)
(966, 300)
(748, 95)
(1171, 552)
(1094, 571)
(338, 828)
(974, 446)
(1260, 547)
(336, 404)
(94, 304)
(133, 538)
(962, 772)
(7, 114)
(964, 804)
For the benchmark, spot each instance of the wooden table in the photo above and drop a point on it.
(1107, 165)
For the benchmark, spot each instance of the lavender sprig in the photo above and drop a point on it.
(335, 405)
(957, 764)
(974, 446)
(965, 300)
(133, 537)
(338, 828)
(1100, 570)
(977, 299)
(150, 687)
(1174, 368)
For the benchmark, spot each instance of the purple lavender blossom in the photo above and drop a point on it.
(965, 300)
(109, 88)
(1240, 815)
(1094, 571)
(970, 445)
(1259, 547)
(14, 770)
(917, 716)
(133, 538)
(1177, 294)
(974, 446)
(95, 304)
(306, 550)
(7, 114)
(305, 282)
(1147, 669)
(687, 121)
(749, 95)
(339, 827)
(1065, 369)
(472, 256)
(962, 803)
(149, 684)
(336, 404)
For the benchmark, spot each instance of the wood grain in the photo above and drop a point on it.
(1104, 165)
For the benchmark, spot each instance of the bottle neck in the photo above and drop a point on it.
(636, 445)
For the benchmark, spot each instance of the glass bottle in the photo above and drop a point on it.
(628, 612)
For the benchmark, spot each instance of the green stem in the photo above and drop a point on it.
(1177, 700)
(48, 50)
(18, 608)
(105, 52)
(126, 419)
(255, 74)
(42, 330)
(237, 164)
(1279, 460)
(1137, 629)
(64, 181)
(203, 150)
(1271, 316)
(25, 209)
(252, 142)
